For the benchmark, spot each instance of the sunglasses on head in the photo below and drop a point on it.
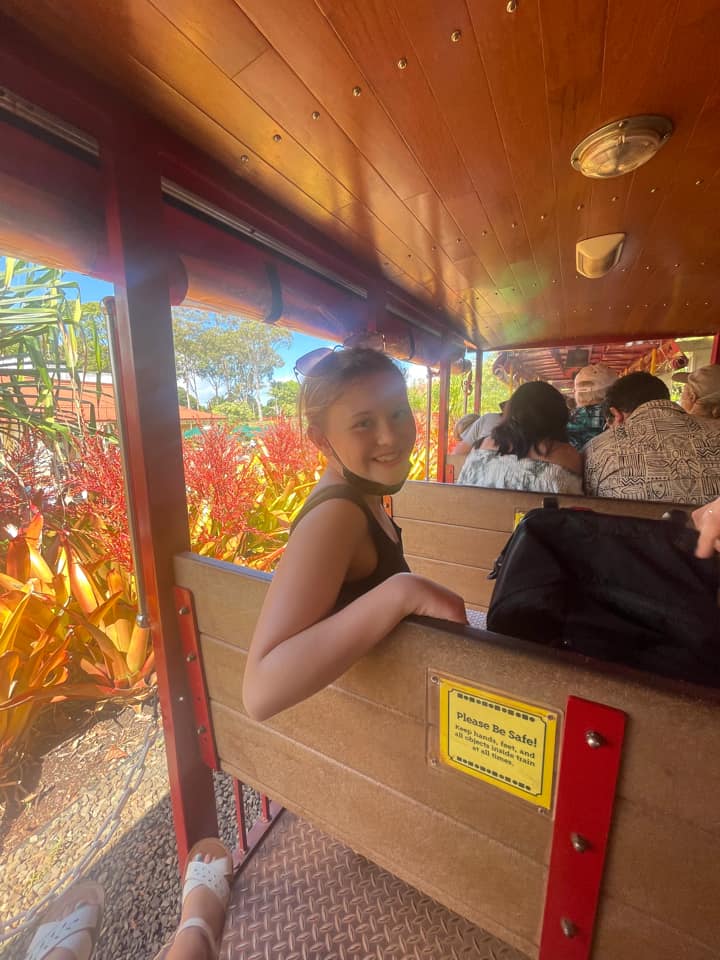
(305, 364)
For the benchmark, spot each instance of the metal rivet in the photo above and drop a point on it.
(201, 730)
(645, 306)
(627, 306)
(511, 6)
(676, 265)
(357, 91)
(614, 199)
(483, 233)
(554, 281)
(244, 158)
(609, 308)
(402, 63)
(434, 679)
(568, 927)
(665, 304)
(459, 240)
(653, 189)
(698, 181)
(315, 114)
(513, 225)
(181, 699)
(702, 263)
(648, 267)
(542, 216)
(142, 620)
(277, 138)
(184, 611)
(579, 843)
(580, 206)
(687, 303)
(590, 309)
(592, 737)
(707, 303)
(190, 657)
(433, 761)
(433, 247)
(456, 36)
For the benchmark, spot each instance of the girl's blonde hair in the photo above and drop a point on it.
(330, 376)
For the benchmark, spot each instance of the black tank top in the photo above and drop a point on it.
(391, 559)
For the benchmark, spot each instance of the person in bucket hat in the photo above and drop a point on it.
(701, 393)
(588, 418)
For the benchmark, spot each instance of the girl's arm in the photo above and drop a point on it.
(298, 646)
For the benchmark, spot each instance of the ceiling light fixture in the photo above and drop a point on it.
(621, 146)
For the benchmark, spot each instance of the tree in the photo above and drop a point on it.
(494, 391)
(237, 357)
(282, 398)
(94, 347)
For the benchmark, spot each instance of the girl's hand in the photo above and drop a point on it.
(428, 599)
(707, 521)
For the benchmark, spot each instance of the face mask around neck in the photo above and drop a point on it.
(368, 487)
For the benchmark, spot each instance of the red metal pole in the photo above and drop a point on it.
(443, 419)
(715, 352)
(477, 398)
(147, 392)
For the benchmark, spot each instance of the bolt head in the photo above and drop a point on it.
(277, 137)
(315, 114)
(184, 611)
(244, 158)
(456, 36)
(356, 91)
(579, 843)
(568, 927)
(402, 63)
(201, 730)
(593, 739)
(190, 657)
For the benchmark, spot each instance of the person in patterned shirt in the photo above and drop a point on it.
(653, 450)
(588, 418)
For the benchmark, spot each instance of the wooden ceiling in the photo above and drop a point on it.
(447, 161)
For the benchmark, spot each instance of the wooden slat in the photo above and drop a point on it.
(470, 582)
(486, 509)
(452, 544)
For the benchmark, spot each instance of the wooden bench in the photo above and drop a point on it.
(453, 534)
(359, 760)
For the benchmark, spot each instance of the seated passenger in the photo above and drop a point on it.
(461, 427)
(342, 584)
(652, 450)
(480, 428)
(587, 420)
(701, 393)
(529, 449)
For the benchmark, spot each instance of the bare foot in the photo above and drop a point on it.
(191, 943)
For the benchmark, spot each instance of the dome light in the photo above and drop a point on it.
(622, 146)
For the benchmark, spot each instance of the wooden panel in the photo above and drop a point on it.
(504, 897)
(387, 747)
(452, 544)
(470, 582)
(494, 509)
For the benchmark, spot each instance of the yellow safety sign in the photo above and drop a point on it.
(505, 742)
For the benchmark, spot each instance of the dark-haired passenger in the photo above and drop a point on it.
(653, 450)
(529, 450)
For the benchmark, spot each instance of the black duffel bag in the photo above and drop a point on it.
(619, 588)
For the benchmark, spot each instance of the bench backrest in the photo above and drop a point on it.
(453, 534)
(356, 759)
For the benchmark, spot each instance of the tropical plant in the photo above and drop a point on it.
(39, 315)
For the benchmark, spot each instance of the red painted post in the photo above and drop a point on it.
(443, 419)
(147, 392)
(477, 398)
(715, 352)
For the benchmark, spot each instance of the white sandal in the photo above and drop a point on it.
(78, 931)
(215, 876)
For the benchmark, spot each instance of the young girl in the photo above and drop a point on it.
(342, 584)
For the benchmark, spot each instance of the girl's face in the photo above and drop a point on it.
(371, 428)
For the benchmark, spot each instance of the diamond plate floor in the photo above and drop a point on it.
(304, 896)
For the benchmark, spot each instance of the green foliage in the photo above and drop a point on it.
(283, 398)
(237, 357)
(39, 318)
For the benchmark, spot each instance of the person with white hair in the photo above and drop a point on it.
(587, 420)
(701, 393)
